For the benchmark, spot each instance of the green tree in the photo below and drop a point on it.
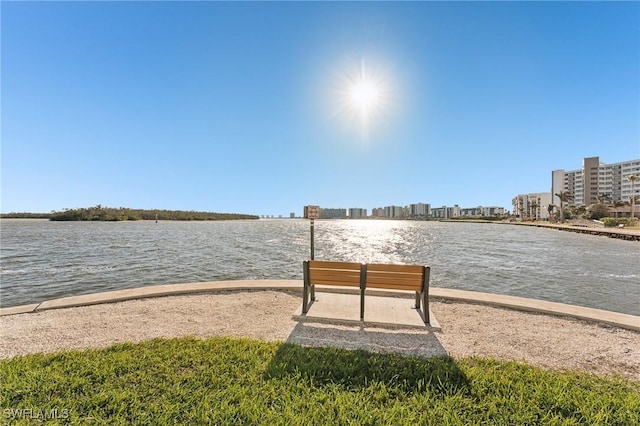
(633, 179)
(576, 211)
(617, 204)
(598, 211)
(604, 199)
(550, 209)
(533, 208)
(564, 197)
(118, 214)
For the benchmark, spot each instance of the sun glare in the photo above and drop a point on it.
(364, 95)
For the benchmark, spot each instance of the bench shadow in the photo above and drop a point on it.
(358, 356)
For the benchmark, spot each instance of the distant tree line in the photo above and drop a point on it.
(24, 215)
(100, 213)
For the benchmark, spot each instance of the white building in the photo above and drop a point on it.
(420, 210)
(533, 206)
(377, 212)
(333, 213)
(445, 212)
(482, 211)
(357, 213)
(596, 179)
(394, 212)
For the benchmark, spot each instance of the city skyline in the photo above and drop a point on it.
(262, 108)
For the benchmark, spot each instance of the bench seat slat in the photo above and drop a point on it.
(335, 278)
(334, 273)
(395, 287)
(399, 287)
(337, 283)
(395, 284)
(383, 267)
(391, 279)
(390, 276)
(323, 264)
(330, 273)
(317, 273)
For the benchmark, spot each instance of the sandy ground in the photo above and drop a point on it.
(467, 330)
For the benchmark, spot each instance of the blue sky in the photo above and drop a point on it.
(240, 107)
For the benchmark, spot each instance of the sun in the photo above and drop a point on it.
(364, 95)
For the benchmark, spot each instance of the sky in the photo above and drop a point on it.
(262, 108)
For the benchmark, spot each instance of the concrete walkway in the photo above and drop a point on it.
(379, 311)
(385, 301)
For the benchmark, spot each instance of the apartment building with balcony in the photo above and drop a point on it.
(333, 213)
(420, 210)
(377, 212)
(357, 213)
(481, 211)
(394, 212)
(596, 179)
(456, 211)
(445, 212)
(534, 206)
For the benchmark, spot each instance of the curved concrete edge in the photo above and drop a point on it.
(630, 322)
(154, 291)
(22, 309)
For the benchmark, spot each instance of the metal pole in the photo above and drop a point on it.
(312, 239)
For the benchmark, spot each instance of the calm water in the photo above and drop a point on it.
(42, 260)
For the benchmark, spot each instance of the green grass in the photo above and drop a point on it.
(239, 381)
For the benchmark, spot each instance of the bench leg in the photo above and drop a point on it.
(305, 288)
(363, 288)
(305, 296)
(417, 300)
(425, 293)
(313, 292)
(425, 306)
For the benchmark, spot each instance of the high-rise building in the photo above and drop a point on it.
(377, 212)
(596, 179)
(394, 212)
(445, 212)
(333, 213)
(420, 210)
(357, 213)
(533, 206)
(481, 211)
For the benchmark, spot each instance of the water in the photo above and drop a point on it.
(41, 260)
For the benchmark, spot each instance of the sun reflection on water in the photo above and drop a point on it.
(366, 241)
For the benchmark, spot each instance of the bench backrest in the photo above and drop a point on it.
(397, 277)
(333, 273)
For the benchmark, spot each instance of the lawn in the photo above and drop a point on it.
(241, 381)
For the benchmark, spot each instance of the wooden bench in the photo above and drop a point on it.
(363, 276)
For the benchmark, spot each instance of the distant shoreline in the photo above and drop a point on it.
(25, 215)
(109, 214)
